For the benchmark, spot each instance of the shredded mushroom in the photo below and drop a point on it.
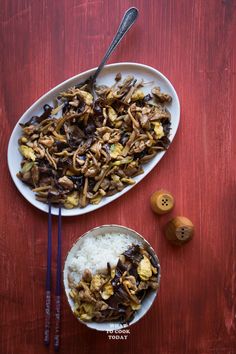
(117, 293)
(97, 145)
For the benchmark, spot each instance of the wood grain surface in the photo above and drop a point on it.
(193, 44)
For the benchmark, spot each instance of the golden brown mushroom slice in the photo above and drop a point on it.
(162, 97)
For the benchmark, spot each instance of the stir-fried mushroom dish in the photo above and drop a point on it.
(118, 293)
(98, 144)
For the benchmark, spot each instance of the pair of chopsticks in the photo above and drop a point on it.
(49, 286)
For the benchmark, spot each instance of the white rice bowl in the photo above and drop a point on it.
(93, 251)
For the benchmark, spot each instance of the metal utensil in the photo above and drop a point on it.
(128, 20)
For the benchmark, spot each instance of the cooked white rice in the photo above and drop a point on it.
(94, 252)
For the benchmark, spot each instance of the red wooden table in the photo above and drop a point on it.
(193, 43)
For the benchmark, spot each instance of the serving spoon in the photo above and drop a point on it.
(128, 20)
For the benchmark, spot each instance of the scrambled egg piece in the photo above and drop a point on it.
(113, 273)
(27, 152)
(112, 114)
(96, 283)
(158, 129)
(86, 313)
(96, 200)
(72, 200)
(23, 140)
(110, 97)
(135, 306)
(144, 269)
(137, 95)
(116, 150)
(154, 270)
(27, 167)
(122, 162)
(107, 291)
(85, 317)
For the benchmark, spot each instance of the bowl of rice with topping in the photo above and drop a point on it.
(111, 277)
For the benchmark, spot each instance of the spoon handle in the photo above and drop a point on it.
(129, 18)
